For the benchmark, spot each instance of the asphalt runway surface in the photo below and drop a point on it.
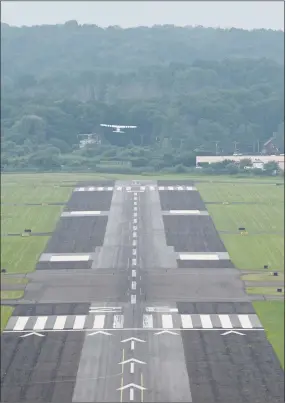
(134, 322)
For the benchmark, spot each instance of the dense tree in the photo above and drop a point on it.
(189, 91)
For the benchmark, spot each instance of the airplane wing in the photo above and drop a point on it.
(119, 126)
(127, 127)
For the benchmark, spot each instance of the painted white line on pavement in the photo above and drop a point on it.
(131, 394)
(98, 321)
(41, 322)
(118, 321)
(167, 321)
(137, 328)
(21, 323)
(225, 321)
(79, 322)
(60, 322)
(148, 321)
(132, 367)
(206, 321)
(245, 322)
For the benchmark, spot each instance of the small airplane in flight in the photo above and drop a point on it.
(118, 127)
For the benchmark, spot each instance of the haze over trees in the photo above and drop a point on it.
(189, 90)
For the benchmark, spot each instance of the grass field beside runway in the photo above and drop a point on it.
(6, 312)
(265, 291)
(6, 279)
(254, 250)
(44, 179)
(271, 314)
(14, 219)
(26, 191)
(263, 277)
(12, 294)
(242, 192)
(254, 217)
(20, 255)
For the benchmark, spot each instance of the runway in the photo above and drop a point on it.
(137, 303)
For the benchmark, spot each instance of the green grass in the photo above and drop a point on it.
(264, 290)
(255, 218)
(263, 277)
(20, 255)
(241, 192)
(253, 252)
(14, 219)
(272, 314)
(43, 179)
(6, 312)
(12, 294)
(26, 192)
(13, 280)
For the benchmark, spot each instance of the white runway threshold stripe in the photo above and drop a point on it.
(198, 256)
(84, 212)
(184, 211)
(149, 321)
(41, 322)
(70, 258)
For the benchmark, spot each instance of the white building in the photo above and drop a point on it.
(258, 161)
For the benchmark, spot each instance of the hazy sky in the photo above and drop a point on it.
(239, 14)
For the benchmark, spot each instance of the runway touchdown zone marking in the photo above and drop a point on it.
(109, 320)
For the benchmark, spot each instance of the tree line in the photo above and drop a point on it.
(189, 91)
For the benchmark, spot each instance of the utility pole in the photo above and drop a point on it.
(216, 147)
(235, 146)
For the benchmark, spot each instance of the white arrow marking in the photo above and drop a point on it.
(131, 385)
(167, 331)
(134, 339)
(132, 345)
(33, 333)
(131, 394)
(131, 360)
(232, 331)
(99, 332)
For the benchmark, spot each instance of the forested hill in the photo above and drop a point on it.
(185, 88)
